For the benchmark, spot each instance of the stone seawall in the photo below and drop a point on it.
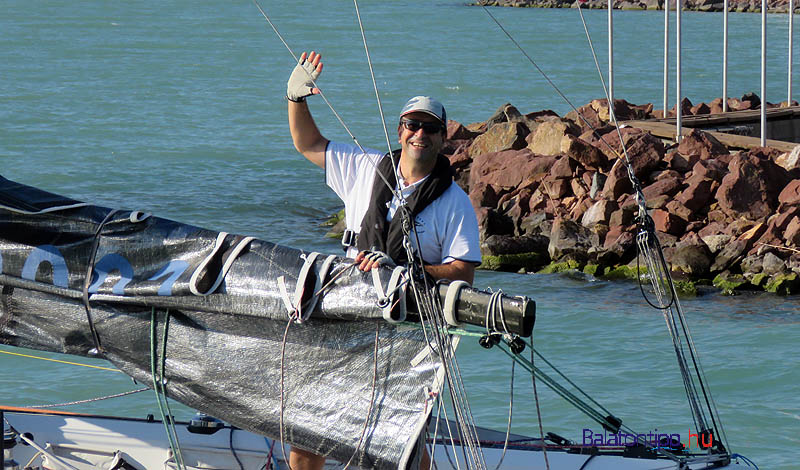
(773, 6)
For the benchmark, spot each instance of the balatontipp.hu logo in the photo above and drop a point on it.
(652, 439)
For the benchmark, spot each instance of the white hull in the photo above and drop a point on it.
(83, 442)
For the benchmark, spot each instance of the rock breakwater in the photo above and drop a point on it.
(552, 193)
(773, 6)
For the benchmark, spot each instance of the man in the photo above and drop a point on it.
(440, 210)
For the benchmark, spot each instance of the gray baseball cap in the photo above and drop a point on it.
(425, 104)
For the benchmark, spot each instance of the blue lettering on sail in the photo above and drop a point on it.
(46, 254)
(175, 268)
(107, 264)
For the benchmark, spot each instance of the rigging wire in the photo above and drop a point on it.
(432, 323)
(327, 102)
(663, 278)
(423, 300)
(372, 74)
(539, 412)
(159, 386)
(510, 415)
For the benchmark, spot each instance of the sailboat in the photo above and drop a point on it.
(274, 345)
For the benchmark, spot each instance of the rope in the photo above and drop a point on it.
(371, 401)
(159, 386)
(89, 400)
(88, 281)
(59, 361)
(233, 449)
(283, 406)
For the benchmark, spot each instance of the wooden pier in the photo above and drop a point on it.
(735, 129)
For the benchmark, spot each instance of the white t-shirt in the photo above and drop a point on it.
(447, 227)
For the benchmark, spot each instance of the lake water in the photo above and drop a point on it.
(177, 108)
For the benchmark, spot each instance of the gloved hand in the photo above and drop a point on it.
(372, 259)
(301, 81)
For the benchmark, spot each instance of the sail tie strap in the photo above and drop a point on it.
(450, 301)
(97, 350)
(228, 256)
(295, 307)
(387, 298)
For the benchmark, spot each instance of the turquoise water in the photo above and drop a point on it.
(178, 109)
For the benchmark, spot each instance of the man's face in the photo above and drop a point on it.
(420, 145)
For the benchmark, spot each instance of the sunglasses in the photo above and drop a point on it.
(429, 127)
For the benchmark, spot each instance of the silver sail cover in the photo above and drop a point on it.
(77, 276)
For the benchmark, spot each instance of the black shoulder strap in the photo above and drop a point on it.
(376, 233)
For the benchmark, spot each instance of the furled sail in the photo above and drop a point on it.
(343, 381)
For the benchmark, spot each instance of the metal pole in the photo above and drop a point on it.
(611, 60)
(666, 57)
(678, 113)
(791, 37)
(725, 59)
(763, 73)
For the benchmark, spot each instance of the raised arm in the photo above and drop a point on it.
(306, 136)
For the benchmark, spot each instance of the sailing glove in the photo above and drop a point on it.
(301, 81)
(382, 258)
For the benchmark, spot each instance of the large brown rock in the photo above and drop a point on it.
(696, 196)
(752, 186)
(511, 245)
(678, 209)
(499, 137)
(715, 106)
(668, 223)
(645, 151)
(701, 144)
(792, 233)
(485, 195)
(731, 254)
(790, 195)
(776, 226)
(509, 168)
(617, 182)
(668, 186)
(456, 131)
(564, 167)
(586, 114)
(556, 188)
(691, 256)
(701, 108)
(711, 169)
(686, 108)
(569, 240)
(547, 138)
(589, 156)
(460, 159)
(619, 247)
(579, 207)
